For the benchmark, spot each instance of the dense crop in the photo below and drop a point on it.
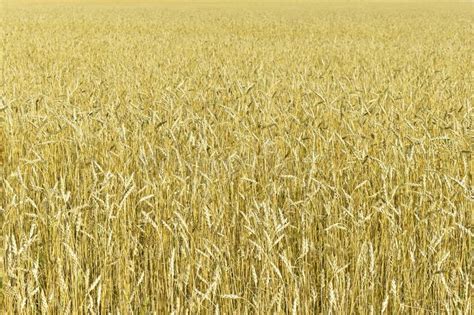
(237, 159)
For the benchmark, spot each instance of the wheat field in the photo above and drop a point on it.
(236, 158)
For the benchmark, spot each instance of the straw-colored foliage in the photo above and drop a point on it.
(237, 159)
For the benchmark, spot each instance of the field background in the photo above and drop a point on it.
(236, 158)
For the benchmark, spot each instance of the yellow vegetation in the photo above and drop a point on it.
(206, 158)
